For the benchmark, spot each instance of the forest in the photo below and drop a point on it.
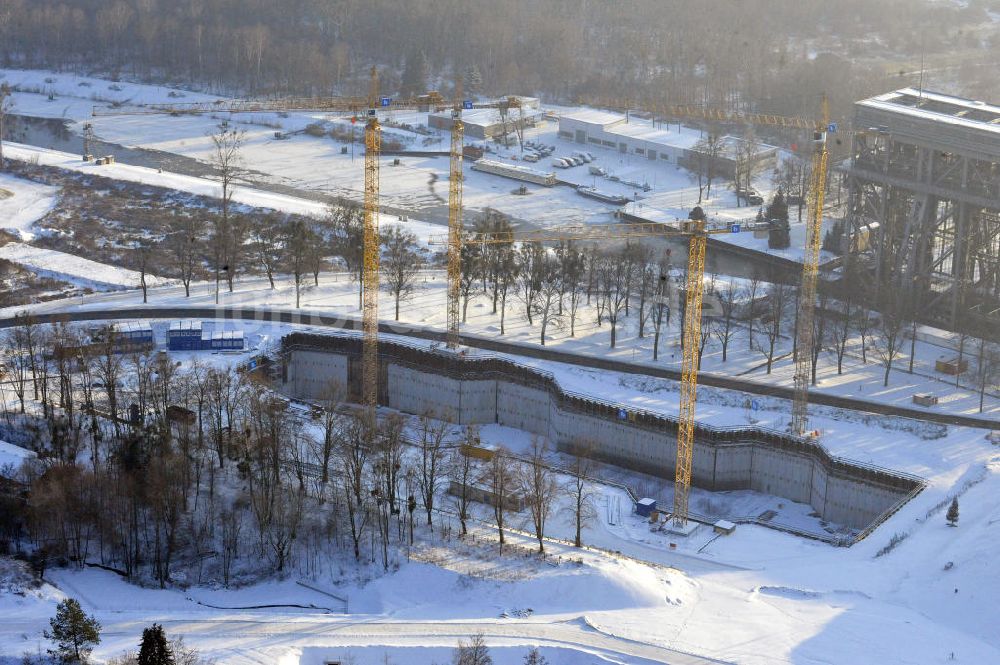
(753, 54)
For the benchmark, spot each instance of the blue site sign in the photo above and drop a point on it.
(386, 101)
(735, 228)
(831, 128)
(467, 104)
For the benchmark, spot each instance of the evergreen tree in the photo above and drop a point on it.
(777, 214)
(472, 80)
(952, 515)
(534, 657)
(74, 633)
(415, 74)
(154, 649)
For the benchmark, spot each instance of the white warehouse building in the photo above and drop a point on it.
(613, 131)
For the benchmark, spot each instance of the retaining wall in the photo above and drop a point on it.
(495, 390)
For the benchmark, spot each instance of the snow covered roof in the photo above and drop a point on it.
(185, 325)
(938, 107)
(222, 334)
(664, 137)
(132, 327)
(594, 117)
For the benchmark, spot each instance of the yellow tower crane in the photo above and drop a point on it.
(367, 107)
(697, 230)
(804, 334)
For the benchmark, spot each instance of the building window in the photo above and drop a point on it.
(565, 135)
(640, 151)
(664, 156)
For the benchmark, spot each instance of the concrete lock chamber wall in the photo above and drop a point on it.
(488, 390)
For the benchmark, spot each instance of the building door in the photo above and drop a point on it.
(623, 148)
(651, 154)
(581, 136)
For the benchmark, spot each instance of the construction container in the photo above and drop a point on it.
(484, 454)
(951, 366)
(645, 507)
(925, 399)
(184, 336)
(223, 340)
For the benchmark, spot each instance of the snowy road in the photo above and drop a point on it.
(246, 636)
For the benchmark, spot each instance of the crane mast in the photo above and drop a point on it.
(455, 178)
(804, 331)
(691, 340)
(370, 265)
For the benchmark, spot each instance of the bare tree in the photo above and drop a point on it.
(267, 242)
(183, 245)
(889, 341)
(706, 156)
(987, 367)
(729, 298)
(548, 292)
(346, 223)
(432, 461)
(227, 160)
(334, 427)
(614, 276)
(531, 262)
(353, 471)
(401, 263)
(502, 478)
(473, 652)
(749, 161)
(660, 306)
(779, 298)
(463, 470)
(537, 483)
(298, 238)
(141, 251)
(573, 271)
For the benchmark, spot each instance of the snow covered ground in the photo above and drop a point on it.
(74, 269)
(756, 597)
(337, 294)
(914, 592)
(22, 203)
(11, 456)
(306, 162)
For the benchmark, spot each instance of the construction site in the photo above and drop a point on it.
(668, 357)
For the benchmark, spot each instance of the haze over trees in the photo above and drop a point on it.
(734, 54)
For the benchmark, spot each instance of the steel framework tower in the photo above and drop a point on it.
(924, 203)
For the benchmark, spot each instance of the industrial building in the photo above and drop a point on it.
(487, 123)
(189, 336)
(924, 201)
(627, 135)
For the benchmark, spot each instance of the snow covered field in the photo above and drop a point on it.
(75, 269)
(22, 203)
(319, 164)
